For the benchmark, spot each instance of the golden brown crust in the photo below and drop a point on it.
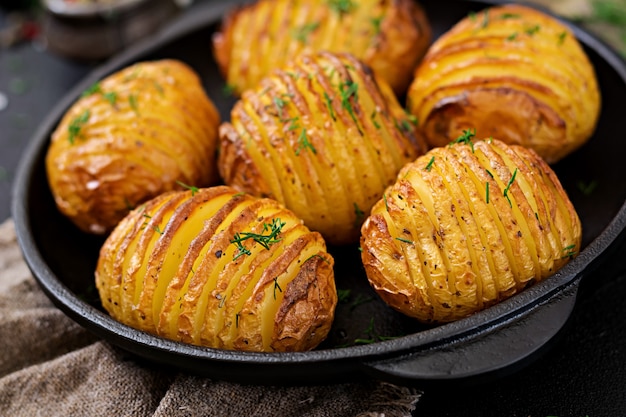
(321, 136)
(219, 268)
(391, 36)
(130, 138)
(466, 226)
(510, 72)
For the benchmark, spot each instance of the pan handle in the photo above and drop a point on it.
(488, 353)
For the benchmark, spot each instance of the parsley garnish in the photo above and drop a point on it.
(77, 123)
(111, 97)
(273, 230)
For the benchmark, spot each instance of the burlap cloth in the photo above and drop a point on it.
(50, 366)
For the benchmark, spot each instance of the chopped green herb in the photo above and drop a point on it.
(569, 251)
(229, 90)
(193, 189)
(508, 187)
(341, 6)
(276, 286)
(532, 30)
(301, 34)
(343, 295)
(349, 89)
(372, 336)
(359, 215)
(487, 192)
(271, 238)
(465, 138)
(158, 229)
(386, 204)
(562, 37)
(280, 104)
(404, 126)
(111, 97)
(317, 255)
(410, 242)
(373, 119)
(76, 125)
(505, 16)
(132, 101)
(376, 21)
(329, 105)
(472, 16)
(485, 19)
(429, 166)
(512, 36)
(93, 89)
(489, 173)
(304, 143)
(586, 187)
(359, 300)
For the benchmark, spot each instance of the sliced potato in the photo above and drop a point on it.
(218, 268)
(510, 72)
(389, 36)
(466, 226)
(130, 137)
(321, 136)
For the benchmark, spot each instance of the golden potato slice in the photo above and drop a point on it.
(219, 268)
(466, 226)
(510, 72)
(389, 36)
(322, 137)
(130, 137)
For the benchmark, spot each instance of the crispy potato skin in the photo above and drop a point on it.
(390, 36)
(174, 268)
(510, 72)
(321, 136)
(133, 137)
(466, 226)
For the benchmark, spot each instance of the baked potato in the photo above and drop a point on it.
(466, 226)
(510, 72)
(135, 134)
(389, 36)
(219, 268)
(321, 136)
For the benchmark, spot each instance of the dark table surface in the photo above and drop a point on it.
(583, 373)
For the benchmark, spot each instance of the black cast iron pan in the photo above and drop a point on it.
(63, 259)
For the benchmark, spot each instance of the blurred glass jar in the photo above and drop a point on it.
(97, 29)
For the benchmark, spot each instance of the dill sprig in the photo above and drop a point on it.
(341, 6)
(193, 189)
(465, 138)
(429, 166)
(347, 90)
(304, 143)
(265, 240)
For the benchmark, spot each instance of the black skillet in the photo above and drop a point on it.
(62, 259)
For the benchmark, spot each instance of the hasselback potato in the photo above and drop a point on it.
(130, 137)
(321, 136)
(389, 36)
(219, 268)
(466, 226)
(510, 72)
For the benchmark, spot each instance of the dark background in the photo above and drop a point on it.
(582, 373)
